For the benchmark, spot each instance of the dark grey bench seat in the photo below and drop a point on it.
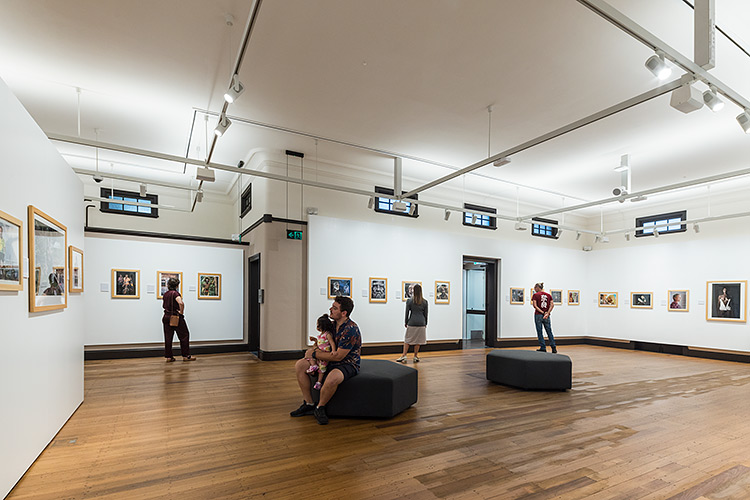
(530, 369)
(382, 389)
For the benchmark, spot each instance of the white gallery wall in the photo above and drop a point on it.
(111, 321)
(41, 376)
(398, 252)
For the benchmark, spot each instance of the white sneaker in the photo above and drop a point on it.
(416, 359)
(401, 359)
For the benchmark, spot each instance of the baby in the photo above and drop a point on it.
(326, 328)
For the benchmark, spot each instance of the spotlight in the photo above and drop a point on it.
(656, 233)
(399, 206)
(473, 218)
(413, 209)
(222, 126)
(559, 232)
(370, 202)
(447, 215)
(98, 177)
(658, 66)
(501, 162)
(199, 196)
(142, 190)
(712, 99)
(235, 90)
(578, 236)
(744, 120)
(604, 239)
(620, 191)
(520, 226)
(627, 236)
(696, 228)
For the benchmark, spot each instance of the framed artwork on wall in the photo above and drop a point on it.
(11, 249)
(48, 244)
(442, 292)
(126, 283)
(161, 282)
(209, 286)
(641, 300)
(678, 300)
(556, 296)
(339, 287)
(516, 295)
(75, 264)
(574, 297)
(607, 299)
(726, 300)
(407, 289)
(379, 290)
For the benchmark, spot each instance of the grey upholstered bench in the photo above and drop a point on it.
(530, 369)
(382, 389)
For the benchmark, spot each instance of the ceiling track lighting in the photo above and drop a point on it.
(744, 120)
(447, 215)
(370, 202)
(235, 90)
(696, 228)
(627, 236)
(222, 126)
(656, 233)
(473, 218)
(143, 190)
(712, 99)
(578, 236)
(658, 66)
(199, 196)
(413, 209)
(502, 161)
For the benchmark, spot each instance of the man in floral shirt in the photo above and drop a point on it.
(343, 363)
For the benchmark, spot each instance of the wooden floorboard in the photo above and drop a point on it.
(635, 425)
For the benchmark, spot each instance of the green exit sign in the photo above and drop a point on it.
(293, 235)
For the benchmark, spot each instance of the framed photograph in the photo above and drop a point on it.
(516, 295)
(607, 299)
(379, 290)
(75, 264)
(126, 283)
(48, 245)
(726, 301)
(11, 249)
(574, 297)
(641, 300)
(442, 292)
(209, 286)
(407, 289)
(556, 296)
(161, 279)
(678, 300)
(339, 287)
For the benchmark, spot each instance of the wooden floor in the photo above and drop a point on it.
(635, 425)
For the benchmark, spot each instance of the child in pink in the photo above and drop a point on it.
(326, 328)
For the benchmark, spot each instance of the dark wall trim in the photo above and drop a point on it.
(270, 218)
(147, 234)
(153, 352)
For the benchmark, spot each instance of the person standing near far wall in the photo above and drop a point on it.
(174, 306)
(415, 322)
(542, 303)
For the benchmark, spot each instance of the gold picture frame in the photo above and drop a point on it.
(378, 290)
(407, 289)
(161, 281)
(11, 250)
(48, 244)
(339, 287)
(678, 300)
(574, 297)
(735, 292)
(641, 300)
(608, 299)
(75, 265)
(209, 286)
(517, 295)
(442, 292)
(557, 296)
(126, 283)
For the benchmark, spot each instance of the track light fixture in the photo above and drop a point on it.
(199, 196)
(235, 90)
(473, 218)
(627, 236)
(744, 120)
(658, 66)
(413, 209)
(142, 190)
(578, 236)
(501, 162)
(696, 228)
(222, 126)
(370, 202)
(712, 99)
(447, 215)
(656, 233)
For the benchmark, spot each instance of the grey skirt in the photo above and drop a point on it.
(416, 335)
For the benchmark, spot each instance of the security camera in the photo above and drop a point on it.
(98, 178)
(620, 191)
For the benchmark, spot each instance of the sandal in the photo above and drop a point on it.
(317, 386)
(312, 369)
(416, 359)
(401, 359)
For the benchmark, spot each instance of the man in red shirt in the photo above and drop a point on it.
(542, 303)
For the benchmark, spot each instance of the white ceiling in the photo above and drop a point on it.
(412, 77)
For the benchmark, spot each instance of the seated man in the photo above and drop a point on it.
(343, 364)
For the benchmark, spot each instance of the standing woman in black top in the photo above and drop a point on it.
(174, 306)
(416, 324)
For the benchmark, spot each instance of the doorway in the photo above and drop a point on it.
(253, 306)
(480, 314)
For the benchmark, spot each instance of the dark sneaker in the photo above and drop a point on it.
(554, 350)
(320, 415)
(543, 349)
(304, 409)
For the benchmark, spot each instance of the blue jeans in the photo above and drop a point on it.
(538, 322)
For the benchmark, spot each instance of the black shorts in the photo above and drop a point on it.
(347, 369)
